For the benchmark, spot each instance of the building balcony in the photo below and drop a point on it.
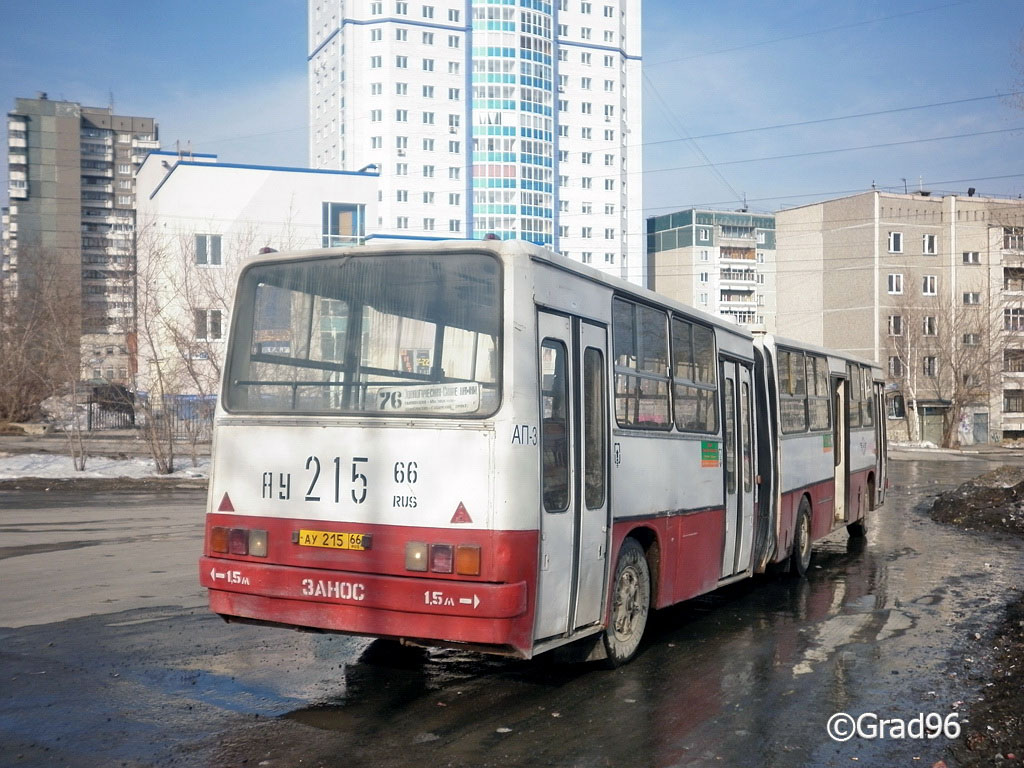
(14, 142)
(738, 277)
(107, 203)
(17, 158)
(107, 173)
(17, 190)
(733, 253)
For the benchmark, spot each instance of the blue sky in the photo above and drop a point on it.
(229, 77)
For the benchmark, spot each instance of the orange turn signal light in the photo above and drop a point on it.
(467, 559)
(219, 539)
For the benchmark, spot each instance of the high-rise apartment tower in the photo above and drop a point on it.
(518, 118)
(72, 217)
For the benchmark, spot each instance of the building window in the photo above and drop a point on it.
(453, 67)
(375, 62)
(929, 245)
(1013, 401)
(454, 94)
(455, 147)
(402, 195)
(402, 222)
(703, 255)
(428, 224)
(428, 65)
(928, 285)
(895, 325)
(703, 234)
(895, 406)
(972, 257)
(453, 15)
(428, 91)
(428, 118)
(208, 250)
(972, 298)
(402, 89)
(454, 41)
(376, 142)
(587, 257)
(428, 38)
(428, 171)
(929, 365)
(971, 339)
(895, 242)
(1013, 360)
(586, 231)
(895, 283)
(208, 324)
(428, 145)
(703, 277)
(454, 225)
(929, 326)
(402, 62)
(895, 367)
(454, 198)
(1013, 318)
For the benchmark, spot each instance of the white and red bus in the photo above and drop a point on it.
(487, 445)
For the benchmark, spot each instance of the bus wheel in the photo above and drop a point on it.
(631, 602)
(800, 560)
(858, 529)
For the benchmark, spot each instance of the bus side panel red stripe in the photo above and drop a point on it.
(690, 552)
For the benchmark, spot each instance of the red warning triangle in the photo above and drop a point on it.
(461, 515)
(226, 505)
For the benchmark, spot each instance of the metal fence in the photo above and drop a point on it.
(187, 417)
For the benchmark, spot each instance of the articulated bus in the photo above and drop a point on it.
(488, 446)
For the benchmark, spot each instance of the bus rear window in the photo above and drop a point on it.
(378, 334)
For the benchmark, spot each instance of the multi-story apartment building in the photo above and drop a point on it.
(72, 215)
(521, 120)
(931, 287)
(718, 261)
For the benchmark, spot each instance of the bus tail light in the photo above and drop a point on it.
(467, 560)
(463, 559)
(238, 541)
(219, 539)
(258, 543)
(415, 556)
(442, 558)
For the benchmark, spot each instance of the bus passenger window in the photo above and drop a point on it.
(593, 426)
(555, 426)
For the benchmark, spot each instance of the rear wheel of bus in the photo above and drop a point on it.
(800, 560)
(631, 604)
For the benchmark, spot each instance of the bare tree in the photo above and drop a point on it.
(40, 353)
(185, 286)
(943, 351)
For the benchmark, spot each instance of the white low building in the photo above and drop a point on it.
(197, 220)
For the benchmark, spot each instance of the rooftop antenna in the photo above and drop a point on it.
(110, 95)
(905, 190)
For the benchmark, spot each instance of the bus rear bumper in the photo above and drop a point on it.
(370, 604)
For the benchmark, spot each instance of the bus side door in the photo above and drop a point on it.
(574, 525)
(739, 466)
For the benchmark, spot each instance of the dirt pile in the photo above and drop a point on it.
(992, 502)
(994, 732)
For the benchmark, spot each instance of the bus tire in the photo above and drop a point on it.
(630, 604)
(800, 559)
(858, 529)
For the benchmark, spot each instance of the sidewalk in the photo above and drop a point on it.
(109, 442)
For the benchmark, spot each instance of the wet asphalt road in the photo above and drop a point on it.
(109, 657)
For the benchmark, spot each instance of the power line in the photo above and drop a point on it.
(809, 33)
(818, 153)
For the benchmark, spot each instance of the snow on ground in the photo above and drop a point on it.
(13, 466)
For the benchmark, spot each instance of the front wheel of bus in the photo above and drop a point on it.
(631, 603)
(800, 560)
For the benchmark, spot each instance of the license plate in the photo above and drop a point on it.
(334, 540)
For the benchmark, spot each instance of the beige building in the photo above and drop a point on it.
(930, 287)
(717, 261)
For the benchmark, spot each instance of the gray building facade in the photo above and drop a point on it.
(72, 218)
